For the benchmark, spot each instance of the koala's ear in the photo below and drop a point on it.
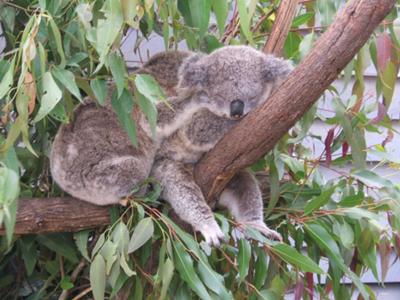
(276, 68)
(192, 73)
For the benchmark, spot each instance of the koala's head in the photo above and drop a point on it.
(234, 79)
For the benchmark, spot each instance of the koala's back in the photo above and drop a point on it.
(93, 159)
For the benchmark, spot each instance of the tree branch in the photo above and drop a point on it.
(41, 215)
(257, 133)
(281, 27)
(261, 129)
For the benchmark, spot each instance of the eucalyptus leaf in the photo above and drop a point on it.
(67, 79)
(51, 96)
(244, 256)
(184, 264)
(291, 256)
(142, 233)
(98, 277)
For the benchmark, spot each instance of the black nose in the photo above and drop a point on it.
(237, 108)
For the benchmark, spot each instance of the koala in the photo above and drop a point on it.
(231, 81)
(93, 159)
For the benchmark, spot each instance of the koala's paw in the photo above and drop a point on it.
(212, 233)
(269, 233)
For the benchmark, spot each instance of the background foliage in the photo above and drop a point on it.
(58, 52)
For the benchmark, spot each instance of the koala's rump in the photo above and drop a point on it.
(93, 158)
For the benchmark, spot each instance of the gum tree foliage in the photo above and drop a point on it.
(58, 52)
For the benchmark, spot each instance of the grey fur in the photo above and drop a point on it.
(102, 166)
(230, 73)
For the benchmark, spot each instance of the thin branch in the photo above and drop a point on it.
(281, 27)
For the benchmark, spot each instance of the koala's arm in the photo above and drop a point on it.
(186, 198)
(177, 113)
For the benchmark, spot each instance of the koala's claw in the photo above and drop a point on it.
(213, 234)
(269, 233)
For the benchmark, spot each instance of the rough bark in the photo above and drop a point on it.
(261, 129)
(41, 215)
(281, 27)
(257, 133)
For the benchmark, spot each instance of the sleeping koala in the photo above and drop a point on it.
(232, 81)
(93, 159)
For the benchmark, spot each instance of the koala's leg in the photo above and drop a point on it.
(114, 178)
(186, 198)
(242, 197)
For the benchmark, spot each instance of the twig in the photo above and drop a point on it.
(280, 29)
(74, 276)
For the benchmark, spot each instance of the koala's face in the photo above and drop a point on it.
(235, 79)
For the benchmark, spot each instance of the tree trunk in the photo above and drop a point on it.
(257, 133)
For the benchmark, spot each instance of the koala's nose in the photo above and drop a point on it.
(237, 108)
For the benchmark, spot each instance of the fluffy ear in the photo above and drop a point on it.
(192, 73)
(276, 68)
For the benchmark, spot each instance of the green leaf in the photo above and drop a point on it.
(184, 265)
(244, 256)
(325, 241)
(60, 244)
(57, 39)
(220, 8)
(150, 111)
(66, 283)
(67, 79)
(123, 108)
(99, 88)
(268, 295)
(7, 80)
(148, 87)
(85, 15)
(200, 13)
(372, 179)
(129, 11)
(118, 70)
(124, 265)
(109, 252)
(319, 201)
(166, 274)
(274, 184)
(291, 256)
(306, 44)
(292, 44)
(213, 281)
(29, 253)
(7, 15)
(143, 232)
(9, 191)
(81, 240)
(51, 95)
(246, 10)
(345, 233)
(302, 19)
(98, 277)
(107, 30)
(120, 237)
(260, 269)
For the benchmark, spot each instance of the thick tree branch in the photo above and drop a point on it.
(281, 27)
(261, 129)
(41, 215)
(257, 133)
